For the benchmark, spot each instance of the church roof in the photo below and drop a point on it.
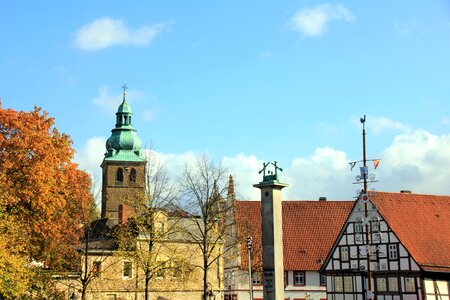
(309, 230)
(421, 223)
(124, 143)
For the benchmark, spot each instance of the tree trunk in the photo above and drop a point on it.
(147, 280)
(205, 273)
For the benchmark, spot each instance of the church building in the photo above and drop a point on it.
(157, 259)
(123, 177)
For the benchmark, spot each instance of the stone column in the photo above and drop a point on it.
(272, 237)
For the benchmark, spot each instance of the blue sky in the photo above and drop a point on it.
(246, 82)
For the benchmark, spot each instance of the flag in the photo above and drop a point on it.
(375, 163)
(352, 165)
(364, 171)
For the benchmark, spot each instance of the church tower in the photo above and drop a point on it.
(123, 179)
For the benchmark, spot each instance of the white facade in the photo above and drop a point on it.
(305, 287)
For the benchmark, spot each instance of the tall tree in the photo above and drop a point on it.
(204, 186)
(44, 196)
(146, 238)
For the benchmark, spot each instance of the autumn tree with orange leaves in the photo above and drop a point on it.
(44, 198)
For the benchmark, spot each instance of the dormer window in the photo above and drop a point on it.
(133, 175)
(119, 175)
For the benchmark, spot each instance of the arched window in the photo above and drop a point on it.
(119, 175)
(133, 175)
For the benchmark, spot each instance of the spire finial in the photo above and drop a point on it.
(125, 88)
(231, 185)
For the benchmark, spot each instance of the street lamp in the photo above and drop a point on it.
(249, 251)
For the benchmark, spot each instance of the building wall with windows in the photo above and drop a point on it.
(173, 266)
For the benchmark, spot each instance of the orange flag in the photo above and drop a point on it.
(375, 163)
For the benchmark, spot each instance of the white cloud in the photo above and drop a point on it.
(314, 21)
(326, 173)
(90, 158)
(109, 103)
(106, 32)
(174, 163)
(415, 160)
(91, 155)
(244, 169)
(379, 124)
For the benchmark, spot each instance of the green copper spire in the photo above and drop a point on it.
(123, 144)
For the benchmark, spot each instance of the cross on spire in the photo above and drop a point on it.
(125, 88)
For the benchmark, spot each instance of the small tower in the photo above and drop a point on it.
(123, 168)
(272, 233)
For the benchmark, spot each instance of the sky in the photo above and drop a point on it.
(245, 82)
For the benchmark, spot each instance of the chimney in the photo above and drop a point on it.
(125, 212)
(322, 198)
(405, 192)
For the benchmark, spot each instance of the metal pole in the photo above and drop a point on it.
(366, 213)
(249, 250)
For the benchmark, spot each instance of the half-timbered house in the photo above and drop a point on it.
(393, 246)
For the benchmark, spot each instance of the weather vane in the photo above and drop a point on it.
(364, 177)
(271, 175)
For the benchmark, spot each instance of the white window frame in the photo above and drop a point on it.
(338, 284)
(381, 284)
(373, 250)
(375, 225)
(301, 276)
(393, 284)
(393, 251)
(344, 253)
(348, 284)
(359, 226)
(410, 284)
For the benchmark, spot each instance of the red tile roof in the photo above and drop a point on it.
(422, 224)
(309, 229)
